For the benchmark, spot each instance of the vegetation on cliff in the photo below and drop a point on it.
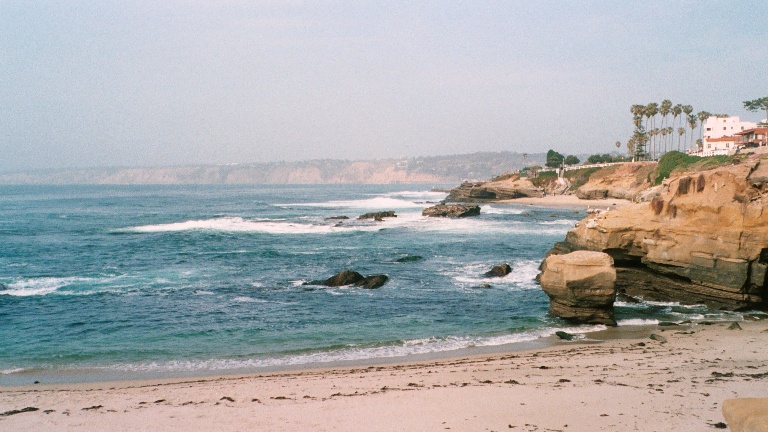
(677, 161)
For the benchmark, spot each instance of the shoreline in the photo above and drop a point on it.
(615, 384)
(567, 201)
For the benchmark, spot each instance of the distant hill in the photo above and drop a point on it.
(433, 169)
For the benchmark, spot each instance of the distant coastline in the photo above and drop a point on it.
(451, 169)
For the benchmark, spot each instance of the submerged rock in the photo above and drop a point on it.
(580, 286)
(454, 211)
(499, 271)
(409, 258)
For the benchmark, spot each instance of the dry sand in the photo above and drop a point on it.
(568, 201)
(614, 385)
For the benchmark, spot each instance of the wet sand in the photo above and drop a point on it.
(609, 384)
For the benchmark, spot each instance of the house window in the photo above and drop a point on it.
(723, 127)
(709, 145)
(727, 145)
(709, 129)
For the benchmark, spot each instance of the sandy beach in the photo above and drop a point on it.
(633, 383)
(568, 201)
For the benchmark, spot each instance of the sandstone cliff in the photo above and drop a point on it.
(626, 181)
(702, 240)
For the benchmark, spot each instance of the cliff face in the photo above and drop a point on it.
(703, 239)
(508, 188)
(627, 181)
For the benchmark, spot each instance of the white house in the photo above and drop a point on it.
(716, 127)
(719, 137)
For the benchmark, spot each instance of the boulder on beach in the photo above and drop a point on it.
(452, 210)
(378, 216)
(746, 414)
(499, 271)
(580, 286)
(337, 218)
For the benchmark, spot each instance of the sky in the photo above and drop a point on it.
(177, 82)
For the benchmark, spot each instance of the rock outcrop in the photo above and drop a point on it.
(350, 277)
(454, 211)
(580, 286)
(702, 240)
(499, 271)
(509, 188)
(378, 216)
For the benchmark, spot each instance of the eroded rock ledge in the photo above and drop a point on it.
(703, 240)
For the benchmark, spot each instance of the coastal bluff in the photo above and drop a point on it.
(702, 240)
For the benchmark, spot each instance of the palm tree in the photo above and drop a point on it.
(692, 121)
(703, 116)
(680, 132)
(664, 110)
(676, 111)
(650, 113)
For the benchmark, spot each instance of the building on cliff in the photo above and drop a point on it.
(755, 137)
(720, 135)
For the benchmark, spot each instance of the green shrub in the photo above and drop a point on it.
(544, 178)
(675, 160)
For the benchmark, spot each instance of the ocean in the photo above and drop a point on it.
(130, 282)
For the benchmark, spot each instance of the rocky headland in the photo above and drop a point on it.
(505, 188)
(701, 239)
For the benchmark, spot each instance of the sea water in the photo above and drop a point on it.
(113, 282)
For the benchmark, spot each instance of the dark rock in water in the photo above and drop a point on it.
(373, 282)
(485, 285)
(409, 258)
(337, 218)
(734, 326)
(3, 286)
(455, 211)
(499, 271)
(347, 277)
(378, 216)
(564, 335)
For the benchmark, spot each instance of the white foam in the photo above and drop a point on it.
(500, 210)
(41, 286)
(523, 275)
(410, 347)
(637, 322)
(238, 224)
(420, 196)
(377, 203)
(559, 222)
(249, 300)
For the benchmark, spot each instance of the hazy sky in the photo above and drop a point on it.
(133, 83)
